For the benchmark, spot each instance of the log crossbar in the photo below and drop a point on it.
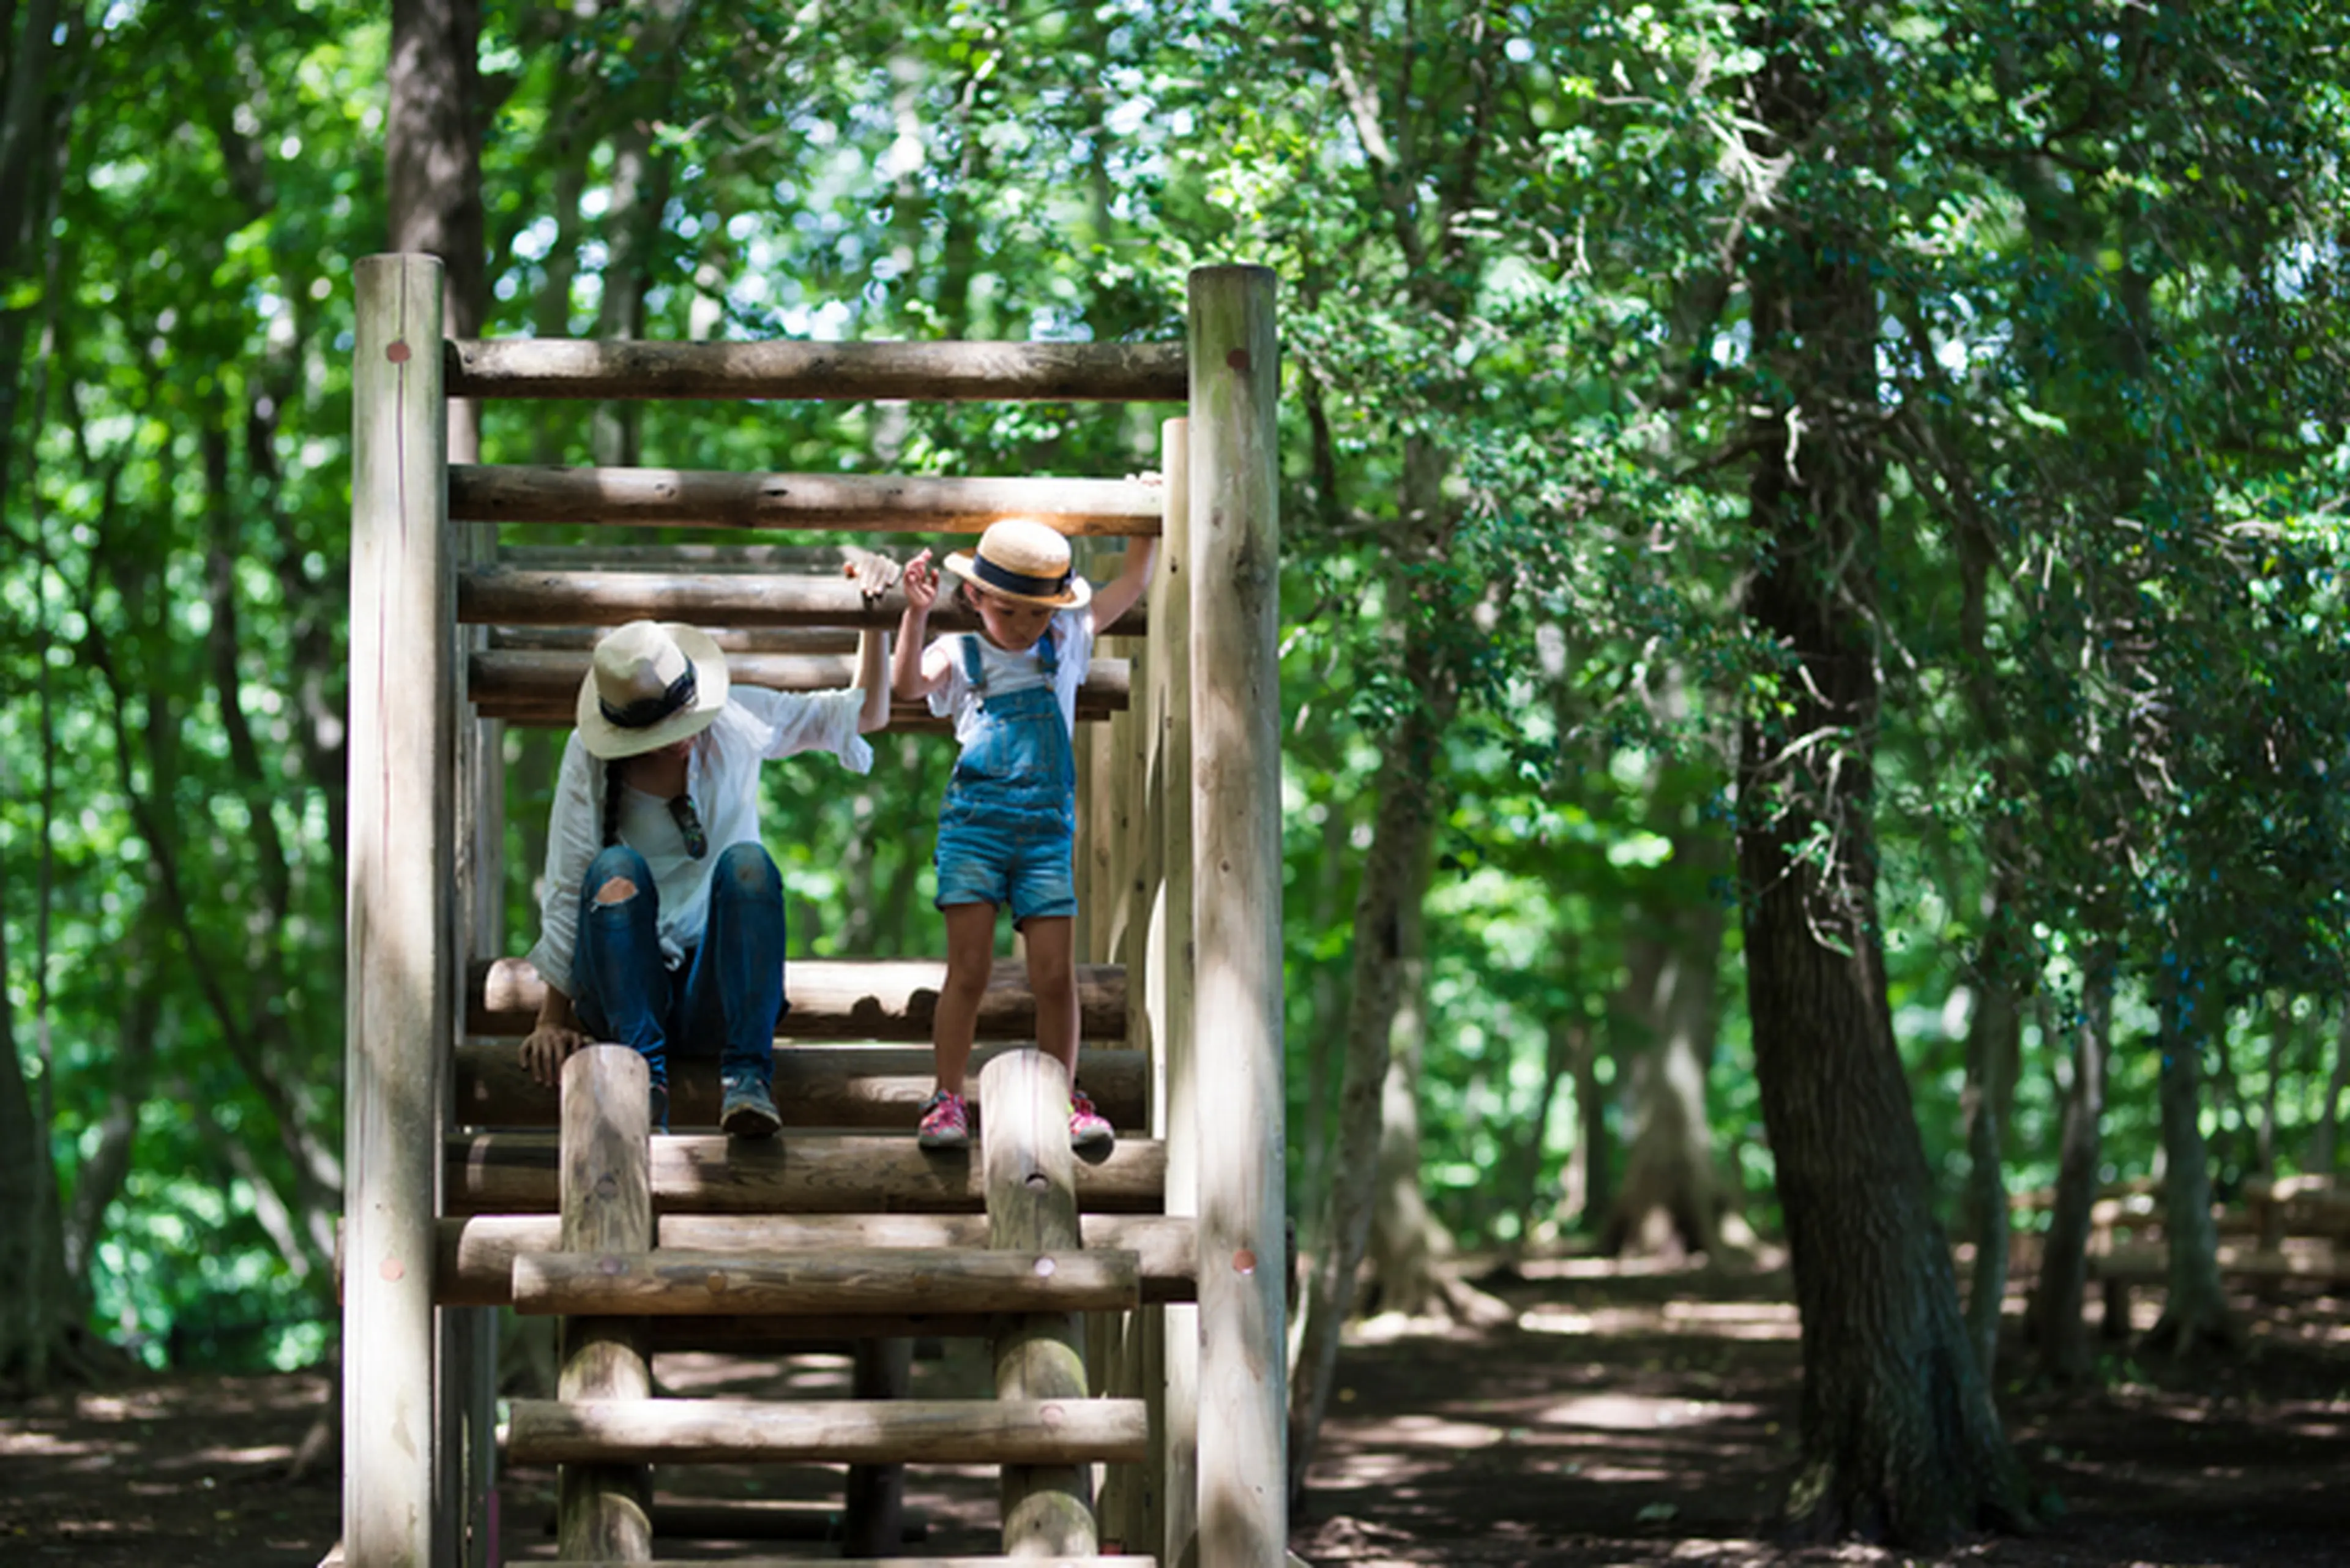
(841, 1431)
(683, 1282)
(815, 1085)
(836, 372)
(533, 596)
(704, 498)
(842, 999)
(545, 684)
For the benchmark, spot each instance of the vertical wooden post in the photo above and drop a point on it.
(1236, 858)
(1171, 1343)
(605, 1511)
(1031, 1205)
(399, 945)
(873, 1505)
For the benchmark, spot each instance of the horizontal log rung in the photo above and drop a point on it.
(475, 1255)
(516, 1173)
(815, 1085)
(529, 679)
(841, 999)
(499, 595)
(840, 1431)
(862, 1562)
(678, 1282)
(920, 372)
(688, 498)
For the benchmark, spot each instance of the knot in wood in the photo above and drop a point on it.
(607, 1185)
(1244, 1262)
(397, 351)
(715, 1283)
(609, 1264)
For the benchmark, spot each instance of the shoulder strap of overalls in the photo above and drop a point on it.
(973, 671)
(1050, 658)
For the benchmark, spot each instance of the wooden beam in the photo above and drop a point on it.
(837, 1431)
(547, 680)
(514, 1173)
(927, 372)
(689, 498)
(867, 1087)
(1112, 1561)
(604, 1508)
(475, 1255)
(531, 595)
(675, 1281)
(734, 639)
(400, 857)
(842, 999)
(1236, 858)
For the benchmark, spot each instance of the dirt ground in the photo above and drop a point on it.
(1623, 1419)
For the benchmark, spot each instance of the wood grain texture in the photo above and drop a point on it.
(684, 1281)
(913, 1431)
(541, 596)
(929, 372)
(690, 498)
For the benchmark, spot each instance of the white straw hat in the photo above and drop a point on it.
(1021, 558)
(650, 682)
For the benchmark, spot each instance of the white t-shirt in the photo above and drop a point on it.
(722, 779)
(1071, 632)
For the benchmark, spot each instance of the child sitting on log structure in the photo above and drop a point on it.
(662, 920)
(1007, 830)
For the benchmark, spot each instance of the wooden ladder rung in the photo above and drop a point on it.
(516, 1172)
(838, 1431)
(497, 595)
(1056, 1561)
(527, 685)
(956, 372)
(675, 1281)
(692, 498)
(475, 1254)
(841, 999)
(843, 1087)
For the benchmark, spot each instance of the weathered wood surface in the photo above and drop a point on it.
(682, 1283)
(533, 683)
(1235, 548)
(924, 372)
(400, 855)
(604, 1509)
(1031, 1206)
(734, 639)
(689, 498)
(819, 1085)
(883, 1431)
(542, 596)
(475, 1255)
(1056, 1561)
(842, 999)
(514, 1173)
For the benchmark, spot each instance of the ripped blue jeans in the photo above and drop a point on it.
(727, 997)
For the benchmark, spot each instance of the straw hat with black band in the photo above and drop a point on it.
(649, 683)
(1021, 558)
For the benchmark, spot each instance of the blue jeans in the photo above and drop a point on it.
(728, 995)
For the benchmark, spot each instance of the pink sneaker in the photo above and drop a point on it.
(1088, 1128)
(946, 1122)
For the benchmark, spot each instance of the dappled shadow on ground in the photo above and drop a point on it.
(1623, 1418)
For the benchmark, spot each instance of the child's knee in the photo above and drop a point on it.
(615, 889)
(749, 868)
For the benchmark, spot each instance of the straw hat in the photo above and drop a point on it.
(651, 682)
(1021, 558)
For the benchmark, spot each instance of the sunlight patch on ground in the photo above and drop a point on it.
(1636, 1412)
(26, 1445)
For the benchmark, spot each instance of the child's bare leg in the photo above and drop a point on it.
(1053, 977)
(971, 955)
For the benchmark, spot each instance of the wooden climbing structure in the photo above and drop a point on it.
(1134, 1306)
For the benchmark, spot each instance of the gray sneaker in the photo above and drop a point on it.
(747, 1111)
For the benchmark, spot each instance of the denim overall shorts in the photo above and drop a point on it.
(1007, 833)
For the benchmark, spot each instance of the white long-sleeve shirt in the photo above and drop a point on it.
(722, 778)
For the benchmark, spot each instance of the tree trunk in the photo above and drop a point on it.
(1326, 999)
(39, 1321)
(1994, 1048)
(1406, 1238)
(2195, 1315)
(1670, 1204)
(2324, 1140)
(2063, 1264)
(1899, 1438)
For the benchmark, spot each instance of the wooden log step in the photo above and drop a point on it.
(838, 1431)
(675, 1281)
(1056, 1562)
(734, 639)
(689, 498)
(916, 372)
(815, 1085)
(524, 678)
(493, 593)
(841, 999)
(761, 1519)
(475, 1254)
(814, 1335)
(514, 1173)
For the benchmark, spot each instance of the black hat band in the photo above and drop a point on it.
(1011, 582)
(646, 711)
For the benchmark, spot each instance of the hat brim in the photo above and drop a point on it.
(1078, 594)
(609, 741)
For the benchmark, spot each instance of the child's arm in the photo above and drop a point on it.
(907, 677)
(1116, 597)
(873, 680)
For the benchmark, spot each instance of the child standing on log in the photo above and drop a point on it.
(1007, 830)
(661, 918)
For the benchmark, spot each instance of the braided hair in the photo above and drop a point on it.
(612, 801)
